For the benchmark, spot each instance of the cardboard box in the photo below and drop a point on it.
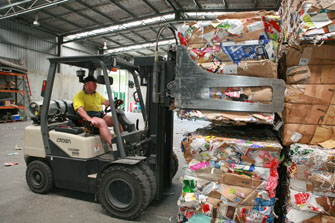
(307, 134)
(310, 54)
(310, 94)
(311, 74)
(309, 114)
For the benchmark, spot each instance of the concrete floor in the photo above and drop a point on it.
(19, 204)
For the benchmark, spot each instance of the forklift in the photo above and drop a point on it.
(62, 150)
(125, 179)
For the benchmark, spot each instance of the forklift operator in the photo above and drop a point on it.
(87, 103)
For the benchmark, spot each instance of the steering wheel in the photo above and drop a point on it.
(117, 103)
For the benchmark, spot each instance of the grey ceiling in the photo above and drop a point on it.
(68, 17)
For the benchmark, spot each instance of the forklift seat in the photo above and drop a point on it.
(74, 117)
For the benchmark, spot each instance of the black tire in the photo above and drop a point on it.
(151, 177)
(174, 165)
(39, 177)
(123, 191)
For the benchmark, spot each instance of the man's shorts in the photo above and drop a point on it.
(95, 114)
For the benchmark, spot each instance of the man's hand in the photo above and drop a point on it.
(93, 121)
(84, 114)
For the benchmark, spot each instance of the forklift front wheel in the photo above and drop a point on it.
(39, 177)
(123, 191)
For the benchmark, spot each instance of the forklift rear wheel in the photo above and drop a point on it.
(124, 191)
(173, 165)
(39, 177)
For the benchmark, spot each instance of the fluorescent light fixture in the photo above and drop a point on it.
(142, 46)
(36, 22)
(110, 29)
(105, 46)
(155, 20)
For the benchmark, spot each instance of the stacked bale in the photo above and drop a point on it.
(307, 64)
(243, 44)
(312, 184)
(230, 175)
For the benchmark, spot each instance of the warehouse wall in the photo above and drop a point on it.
(33, 47)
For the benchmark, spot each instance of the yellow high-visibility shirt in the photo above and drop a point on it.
(89, 102)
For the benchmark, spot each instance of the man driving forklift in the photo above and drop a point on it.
(88, 104)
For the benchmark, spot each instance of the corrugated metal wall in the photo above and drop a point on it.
(28, 44)
(34, 46)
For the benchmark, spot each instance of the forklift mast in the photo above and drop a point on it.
(160, 116)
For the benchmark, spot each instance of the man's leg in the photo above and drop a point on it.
(110, 122)
(103, 128)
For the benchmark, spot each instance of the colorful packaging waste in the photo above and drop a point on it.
(312, 184)
(230, 175)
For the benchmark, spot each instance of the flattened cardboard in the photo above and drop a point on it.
(307, 114)
(231, 192)
(298, 74)
(240, 180)
(310, 94)
(310, 134)
(208, 174)
(329, 144)
(322, 133)
(214, 198)
(251, 68)
(310, 54)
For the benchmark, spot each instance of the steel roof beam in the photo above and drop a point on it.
(113, 41)
(64, 20)
(197, 4)
(95, 10)
(151, 6)
(31, 8)
(123, 8)
(80, 14)
(173, 4)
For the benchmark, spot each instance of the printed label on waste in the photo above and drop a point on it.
(301, 198)
(229, 69)
(255, 26)
(303, 61)
(296, 137)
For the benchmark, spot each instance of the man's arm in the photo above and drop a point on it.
(106, 103)
(84, 114)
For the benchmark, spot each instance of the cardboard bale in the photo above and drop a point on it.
(238, 175)
(313, 21)
(307, 134)
(312, 169)
(251, 68)
(242, 145)
(238, 26)
(230, 173)
(310, 54)
(222, 118)
(306, 201)
(311, 74)
(322, 94)
(309, 114)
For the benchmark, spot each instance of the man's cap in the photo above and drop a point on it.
(90, 78)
